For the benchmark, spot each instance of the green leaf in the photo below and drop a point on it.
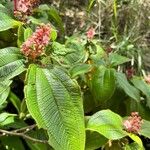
(145, 129)
(41, 135)
(4, 90)
(137, 140)
(116, 59)
(98, 56)
(37, 146)
(11, 63)
(88, 102)
(91, 3)
(69, 54)
(134, 106)
(132, 146)
(12, 143)
(59, 102)
(15, 101)
(108, 124)
(27, 33)
(34, 20)
(103, 84)
(127, 87)
(143, 87)
(94, 140)
(79, 69)
(20, 39)
(31, 96)
(53, 15)
(53, 34)
(6, 118)
(7, 22)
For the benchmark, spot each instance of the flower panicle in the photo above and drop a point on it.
(23, 8)
(133, 123)
(34, 46)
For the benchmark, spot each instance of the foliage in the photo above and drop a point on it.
(75, 94)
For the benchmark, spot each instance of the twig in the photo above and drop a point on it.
(4, 133)
(25, 129)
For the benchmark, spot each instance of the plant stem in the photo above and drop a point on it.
(25, 129)
(14, 133)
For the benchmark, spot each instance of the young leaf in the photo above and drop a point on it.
(103, 84)
(27, 33)
(59, 102)
(53, 34)
(20, 39)
(107, 123)
(127, 87)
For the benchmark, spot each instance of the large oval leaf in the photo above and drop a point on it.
(103, 84)
(11, 63)
(59, 103)
(108, 124)
(31, 96)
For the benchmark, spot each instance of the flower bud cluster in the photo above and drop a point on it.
(34, 46)
(133, 123)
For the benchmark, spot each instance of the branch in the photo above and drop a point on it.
(4, 133)
(25, 129)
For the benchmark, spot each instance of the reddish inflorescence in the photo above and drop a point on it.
(34, 46)
(23, 8)
(133, 123)
(90, 33)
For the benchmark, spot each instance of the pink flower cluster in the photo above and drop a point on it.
(34, 46)
(133, 123)
(23, 8)
(90, 33)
